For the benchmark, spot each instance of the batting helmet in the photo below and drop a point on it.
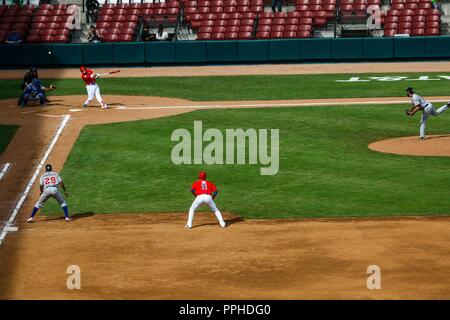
(48, 168)
(202, 175)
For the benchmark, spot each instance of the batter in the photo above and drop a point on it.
(89, 77)
(204, 192)
(49, 183)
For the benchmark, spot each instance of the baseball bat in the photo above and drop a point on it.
(111, 72)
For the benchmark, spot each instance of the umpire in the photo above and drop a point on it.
(27, 79)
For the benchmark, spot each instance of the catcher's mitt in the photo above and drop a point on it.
(52, 87)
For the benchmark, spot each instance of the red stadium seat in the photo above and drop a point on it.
(304, 34)
(418, 32)
(245, 35)
(390, 25)
(432, 32)
(276, 34)
(126, 31)
(291, 27)
(393, 13)
(58, 12)
(234, 22)
(249, 15)
(403, 31)
(418, 25)
(230, 3)
(293, 21)
(243, 9)
(390, 19)
(262, 35)
(111, 38)
(433, 12)
(424, 5)
(290, 34)
(277, 28)
(220, 23)
(246, 29)
(33, 39)
(433, 18)
(405, 19)
(220, 29)
(216, 9)
(61, 38)
(293, 14)
(265, 28)
(278, 21)
(304, 27)
(229, 9)
(243, 2)
(203, 9)
(41, 12)
(47, 39)
(235, 15)
(103, 24)
(419, 18)
(404, 25)
(305, 21)
(411, 6)
(217, 36)
(432, 24)
(203, 36)
(234, 29)
(62, 32)
(231, 36)
(207, 23)
(205, 30)
(5, 26)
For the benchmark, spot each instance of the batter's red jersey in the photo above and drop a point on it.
(88, 77)
(203, 187)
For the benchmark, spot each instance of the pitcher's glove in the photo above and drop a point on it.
(52, 87)
(408, 112)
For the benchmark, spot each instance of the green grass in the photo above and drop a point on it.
(245, 87)
(326, 169)
(6, 134)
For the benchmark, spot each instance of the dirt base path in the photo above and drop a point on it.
(227, 70)
(153, 257)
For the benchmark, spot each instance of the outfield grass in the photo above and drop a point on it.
(326, 169)
(6, 134)
(246, 87)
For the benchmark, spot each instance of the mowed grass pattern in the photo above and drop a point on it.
(221, 88)
(326, 169)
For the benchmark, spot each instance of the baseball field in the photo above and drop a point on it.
(350, 186)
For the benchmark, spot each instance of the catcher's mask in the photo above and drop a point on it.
(202, 175)
(410, 91)
(48, 168)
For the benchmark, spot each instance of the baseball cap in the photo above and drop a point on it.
(410, 90)
(202, 175)
(48, 167)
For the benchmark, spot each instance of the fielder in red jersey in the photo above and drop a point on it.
(204, 193)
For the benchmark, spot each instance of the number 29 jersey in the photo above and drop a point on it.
(50, 179)
(203, 187)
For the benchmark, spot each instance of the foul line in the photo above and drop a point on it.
(5, 168)
(269, 105)
(9, 224)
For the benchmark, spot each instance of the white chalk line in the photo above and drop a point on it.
(9, 224)
(267, 105)
(5, 168)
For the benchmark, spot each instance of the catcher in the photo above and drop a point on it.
(419, 103)
(35, 91)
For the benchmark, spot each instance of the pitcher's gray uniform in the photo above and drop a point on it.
(427, 108)
(50, 182)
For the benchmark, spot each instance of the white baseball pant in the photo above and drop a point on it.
(429, 109)
(93, 90)
(208, 200)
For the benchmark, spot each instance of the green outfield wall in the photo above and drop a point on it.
(218, 52)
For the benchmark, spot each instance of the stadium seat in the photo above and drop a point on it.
(432, 24)
(111, 38)
(277, 28)
(61, 38)
(291, 21)
(219, 29)
(233, 29)
(290, 34)
(262, 35)
(249, 15)
(267, 15)
(235, 22)
(234, 16)
(264, 28)
(229, 9)
(203, 36)
(403, 31)
(305, 21)
(278, 21)
(220, 23)
(33, 38)
(231, 35)
(390, 25)
(217, 36)
(304, 27)
(303, 34)
(432, 32)
(291, 27)
(418, 32)
(245, 35)
(246, 28)
(405, 19)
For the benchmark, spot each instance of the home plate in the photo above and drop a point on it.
(75, 110)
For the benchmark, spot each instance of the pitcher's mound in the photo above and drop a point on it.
(434, 145)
